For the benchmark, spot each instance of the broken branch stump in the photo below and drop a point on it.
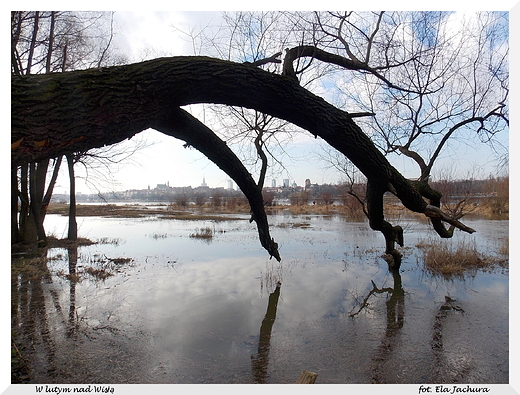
(307, 377)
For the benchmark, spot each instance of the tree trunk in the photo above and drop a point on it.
(55, 114)
(37, 173)
(48, 195)
(27, 223)
(33, 42)
(76, 111)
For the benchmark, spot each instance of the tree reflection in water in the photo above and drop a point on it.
(30, 313)
(446, 368)
(75, 331)
(260, 361)
(394, 322)
(73, 262)
(449, 366)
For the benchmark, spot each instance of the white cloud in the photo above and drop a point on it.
(145, 34)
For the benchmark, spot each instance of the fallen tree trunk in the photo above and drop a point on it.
(56, 114)
(79, 110)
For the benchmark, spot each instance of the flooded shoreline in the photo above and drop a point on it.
(179, 309)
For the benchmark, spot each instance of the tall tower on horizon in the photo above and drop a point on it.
(203, 182)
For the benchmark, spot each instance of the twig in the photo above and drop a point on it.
(17, 351)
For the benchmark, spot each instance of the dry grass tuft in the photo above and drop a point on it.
(107, 240)
(157, 236)
(456, 260)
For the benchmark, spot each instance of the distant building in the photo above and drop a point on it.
(307, 183)
(286, 183)
(203, 182)
(273, 184)
(230, 185)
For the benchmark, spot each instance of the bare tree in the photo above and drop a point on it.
(421, 81)
(25, 47)
(45, 42)
(444, 78)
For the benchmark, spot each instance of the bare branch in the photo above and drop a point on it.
(270, 59)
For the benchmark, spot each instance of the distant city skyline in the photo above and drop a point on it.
(167, 161)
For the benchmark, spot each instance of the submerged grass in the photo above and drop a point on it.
(203, 233)
(157, 236)
(108, 240)
(100, 274)
(32, 268)
(96, 273)
(303, 225)
(54, 242)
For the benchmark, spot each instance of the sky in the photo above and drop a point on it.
(148, 34)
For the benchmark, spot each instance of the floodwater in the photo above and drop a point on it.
(180, 309)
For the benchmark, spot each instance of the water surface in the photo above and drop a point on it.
(189, 310)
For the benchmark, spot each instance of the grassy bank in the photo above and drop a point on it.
(209, 212)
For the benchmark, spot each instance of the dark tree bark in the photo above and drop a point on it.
(36, 189)
(56, 114)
